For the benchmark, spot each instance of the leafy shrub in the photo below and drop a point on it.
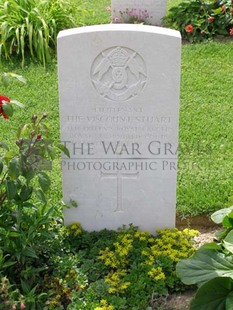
(211, 267)
(199, 20)
(29, 229)
(32, 26)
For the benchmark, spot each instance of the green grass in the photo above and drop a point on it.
(206, 118)
(205, 177)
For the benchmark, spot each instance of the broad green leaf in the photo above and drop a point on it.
(39, 193)
(7, 108)
(204, 265)
(10, 189)
(229, 301)
(213, 295)
(64, 149)
(212, 246)
(218, 216)
(25, 193)
(228, 221)
(44, 181)
(51, 152)
(220, 235)
(228, 242)
(13, 169)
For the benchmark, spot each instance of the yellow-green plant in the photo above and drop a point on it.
(140, 262)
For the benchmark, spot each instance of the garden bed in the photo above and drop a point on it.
(207, 229)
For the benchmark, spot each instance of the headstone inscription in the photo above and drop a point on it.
(119, 97)
(149, 11)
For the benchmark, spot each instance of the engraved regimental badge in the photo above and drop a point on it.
(118, 73)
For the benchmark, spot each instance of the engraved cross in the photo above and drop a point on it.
(120, 176)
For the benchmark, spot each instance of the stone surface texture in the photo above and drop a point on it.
(119, 107)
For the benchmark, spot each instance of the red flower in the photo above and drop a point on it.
(231, 31)
(210, 19)
(189, 28)
(3, 98)
(38, 137)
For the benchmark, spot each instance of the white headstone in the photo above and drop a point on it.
(150, 11)
(119, 98)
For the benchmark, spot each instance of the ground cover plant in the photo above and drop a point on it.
(44, 265)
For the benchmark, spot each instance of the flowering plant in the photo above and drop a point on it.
(135, 16)
(199, 20)
(131, 16)
(29, 233)
(130, 269)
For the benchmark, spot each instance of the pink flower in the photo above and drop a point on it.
(22, 306)
(210, 19)
(231, 31)
(108, 8)
(116, 19)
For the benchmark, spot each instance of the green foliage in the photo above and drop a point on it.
(199, 20)
(29, 232)
(32, 26)
(215, 294)
(129, 269)
(10, 298)
(211, 267)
